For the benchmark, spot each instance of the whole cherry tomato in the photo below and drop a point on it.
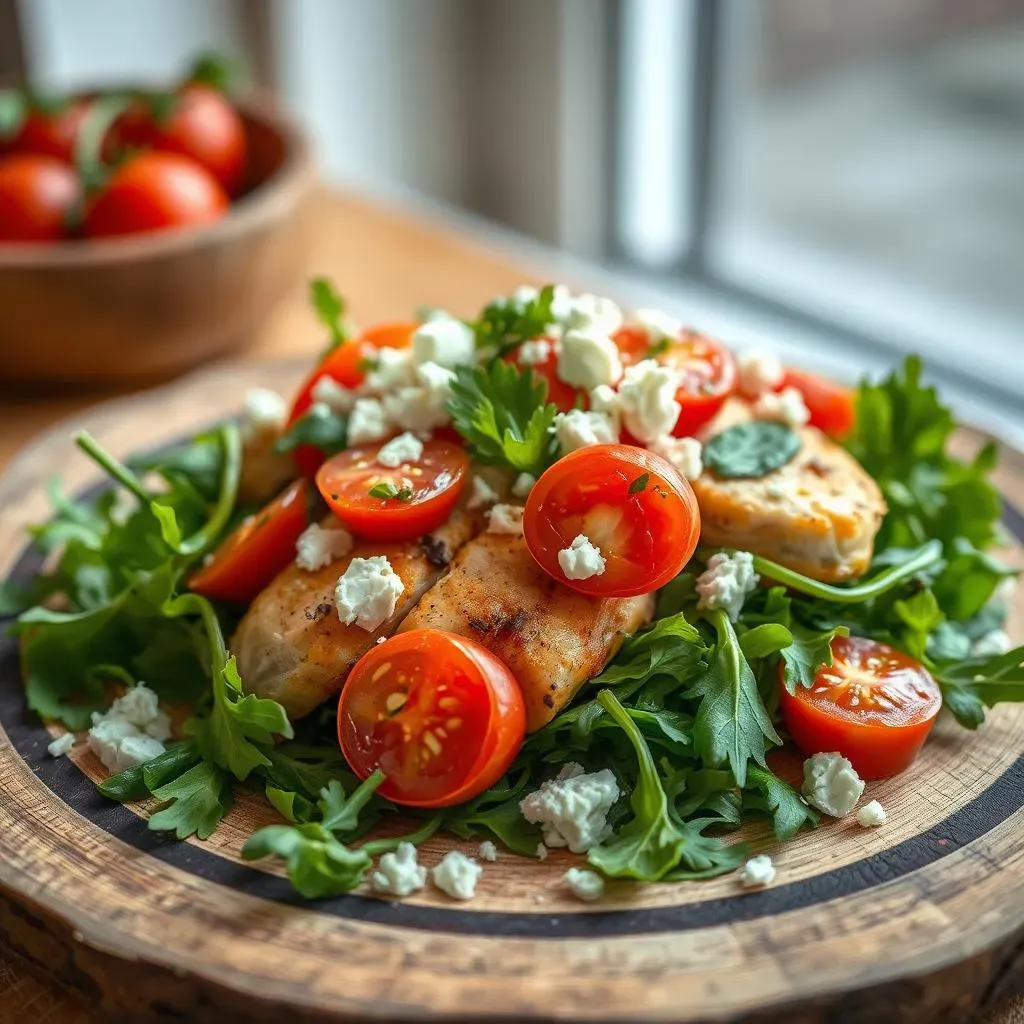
(873, 704)
(831, 405)
(38, 194)
(51, 132)
(438, 713)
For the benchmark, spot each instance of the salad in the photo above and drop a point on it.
(550, 577)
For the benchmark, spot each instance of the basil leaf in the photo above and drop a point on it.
(752, 449)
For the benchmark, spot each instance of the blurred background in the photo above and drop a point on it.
(842, 178)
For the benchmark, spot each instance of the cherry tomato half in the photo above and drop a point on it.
(152, 192)
(630, 503)
(831, 405)
(37, 195)
(707, 368)
(427, 490)
(438, 713)
(874, 704)
(565, 396)
(261, 547)
(53, 133)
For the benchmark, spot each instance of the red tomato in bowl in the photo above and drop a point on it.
(427, 490)
(37, 197)
(51, 132)
(630, 503)
(261, 547)
(832, 406)
(874, 704)
(563, 395)
(707, 368)
(440, 715)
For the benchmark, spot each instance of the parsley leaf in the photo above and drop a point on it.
(973, 684)
(386, 489)
(320, 427)
(808, 652)
(506, 323)
(196, 801)
(330, 310)
(640, 483)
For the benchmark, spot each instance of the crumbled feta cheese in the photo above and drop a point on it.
(647, 397)
(831, 785)
(1006, 591)
(138, 749)
(265, 411)
(581, 559)
(572, 809)
(542, 852)
(657, 324)
(447, 342)
(368, 592)
(604, 399)
(488, 851)
(522, 296)
(399, 450)
(757, 872)
(589, 312)
(585, 885)
(398, 873)
(367, 422)
(588, 358)
(523, 485)
(424, 407)
(329, 392)
(61, 745)
(787, 405)
(726, 582)
(758, 372)
(561, 303)
(578, 429)
(457, 875)
(775, 490)
(317, 547)
(505, 519)
(131, 732)
(685, 453)
(140, 707)
(392, 368)
(996, 641)
(532, 353)
(482, 493)
(871, 815)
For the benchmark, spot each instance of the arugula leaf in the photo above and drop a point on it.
(764, 641)
(752, 449)
(671, 646)
(506, 323)
(973, 684)
(330, 310)
(141, 780)
(767, 792)
(501, 413)
(197, 800)
(496, 812)
(320, 427)
(809, 652)
(341, 812)
(920, 616)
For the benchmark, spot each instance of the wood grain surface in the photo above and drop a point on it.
(920, 920)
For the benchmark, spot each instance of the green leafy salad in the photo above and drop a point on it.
(670, 742)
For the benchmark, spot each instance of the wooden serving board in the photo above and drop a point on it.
(920, 920)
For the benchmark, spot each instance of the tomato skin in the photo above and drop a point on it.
(839, 712)
(831, 405)
(563, 395)
(37, 196)
(260, 547)
(645, 535)
(53, 134)
(422, 668)
(153, 192)
(438, 478)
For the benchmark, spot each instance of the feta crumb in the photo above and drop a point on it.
(647, 396)
(398, 873)
(367, 422)
(265, 412)
(586, 311)
(483, 493)
(787, 405)
(523, 485)
(831, 785)
(488, 851)
(775, 490)
(585, 885)
(317, 547)
(140, 707)
(368, 592)
(327, 391)
(532, 353)
(131, 732)
(523, 295)
(758, 372)
(995, 642)
(399, 450)
(424, 407)
(62, 745)
(457, 875)
(726, 582)
(581, 559)
(392, 368)
(572, 809)
(139, 749)
(446, 342)
(757, 872)
(578, 429)
(542, 852)
(871, 815)
(1006, 591)
(505, 519)
(588, 358)
(685, 453)
(604, 399)
(657, 324)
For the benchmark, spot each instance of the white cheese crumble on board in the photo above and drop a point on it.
(581, 559)
(831, 784)
(647, 398)
(446, 342)
(871, 815)
(398, 873)
(588, 358)
(686, 454)
(578, 429)
(368, 592)
(505, 519)
(457, 875)
(131, 732)
(787, 405)
(329, 392)
(367, 422)
(482, 493)
(523, 485)
(657, 324)
(726, 582)
(532, 353)
(399, 450)
(61, 746)
(488, 851)
(317, 546)
(758, 372)
(265, 411)
(757, 872)
(584, 885)
(572, 809)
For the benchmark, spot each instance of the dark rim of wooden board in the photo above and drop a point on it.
(923, 920)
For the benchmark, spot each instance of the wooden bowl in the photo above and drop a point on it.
(150, 306)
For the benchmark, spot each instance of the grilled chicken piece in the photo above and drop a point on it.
(552, 638)
(292, 646)
(819, 514)
(264, 469)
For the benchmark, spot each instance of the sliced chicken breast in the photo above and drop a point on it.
(552, 638)
(291, 645)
